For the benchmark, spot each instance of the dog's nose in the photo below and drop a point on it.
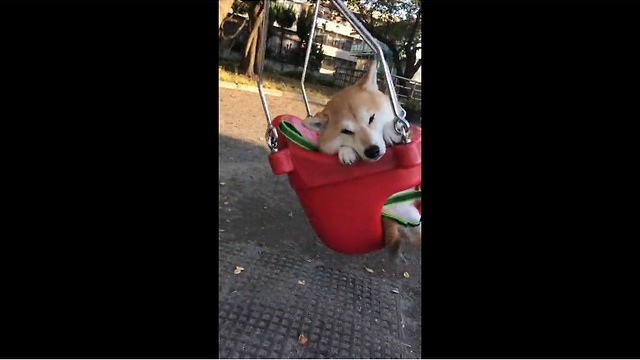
(372, 152)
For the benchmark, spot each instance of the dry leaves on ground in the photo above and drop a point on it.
(303, 339)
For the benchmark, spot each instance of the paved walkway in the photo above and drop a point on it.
(291, 284)
(272, 92)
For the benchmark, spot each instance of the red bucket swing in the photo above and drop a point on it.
(343, 203)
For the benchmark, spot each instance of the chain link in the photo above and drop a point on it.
(401, 126)
(272, 138)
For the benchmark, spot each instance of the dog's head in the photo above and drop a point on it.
(355, 117)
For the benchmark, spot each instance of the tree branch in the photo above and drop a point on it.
(410, 52)
(390, 44)
(255, 28)
(224, 37)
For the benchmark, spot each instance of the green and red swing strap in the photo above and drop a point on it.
(407, 196)
(291, 133)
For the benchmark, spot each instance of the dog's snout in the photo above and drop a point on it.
(372, 152)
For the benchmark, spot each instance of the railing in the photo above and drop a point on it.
(344, 77)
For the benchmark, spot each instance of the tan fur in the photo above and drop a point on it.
(395, 235)
(351, 109)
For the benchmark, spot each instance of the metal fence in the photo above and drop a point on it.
(344, 77)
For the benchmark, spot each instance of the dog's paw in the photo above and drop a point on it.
(398, 259)
(347, 155)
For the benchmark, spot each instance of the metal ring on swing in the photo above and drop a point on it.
(337, 199)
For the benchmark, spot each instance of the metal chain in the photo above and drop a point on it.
(272, 138)
(401, 125)
(271, 134)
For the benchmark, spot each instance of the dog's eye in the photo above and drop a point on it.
(371, 118)
(348, 132)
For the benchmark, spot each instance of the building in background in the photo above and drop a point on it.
(341, 45)
(336, 36)
(291, 40)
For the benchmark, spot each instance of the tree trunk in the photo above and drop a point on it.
(247, 64)
(281, 41)
(411, 65)
(249, 57)
(280, 49)
(256, 53)
(223, 7)
(409, 69)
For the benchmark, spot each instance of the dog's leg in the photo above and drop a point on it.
(393, 235)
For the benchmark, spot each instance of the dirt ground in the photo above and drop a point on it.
(259, 214)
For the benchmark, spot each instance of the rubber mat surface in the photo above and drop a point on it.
(264, 309)
(290, 283)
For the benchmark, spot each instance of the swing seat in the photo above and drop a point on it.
(344, 203)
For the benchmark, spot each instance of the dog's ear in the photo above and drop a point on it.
(316, 122)
(370, 80)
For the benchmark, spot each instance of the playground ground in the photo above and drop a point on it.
(291, 284)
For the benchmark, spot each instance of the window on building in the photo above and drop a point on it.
(329, 62)
(328, 40)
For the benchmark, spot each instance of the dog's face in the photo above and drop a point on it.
(358, 117)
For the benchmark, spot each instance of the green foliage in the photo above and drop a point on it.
(393, 22)
(303, 26)
(303, 30)
(412, 105)
(285, 16)
(394, 18)
(243, 7)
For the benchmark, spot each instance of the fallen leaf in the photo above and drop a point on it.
(303, 339)
(368, 270)
(406, 274)
(301, 282)
(238, 270)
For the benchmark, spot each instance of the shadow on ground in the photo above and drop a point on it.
(291, 283)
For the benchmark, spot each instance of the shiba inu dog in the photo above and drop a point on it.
(358, 123)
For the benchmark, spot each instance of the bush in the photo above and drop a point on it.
(414, 110)
(412, 105)
(238, 46)
(325, 82)
(294, 74)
